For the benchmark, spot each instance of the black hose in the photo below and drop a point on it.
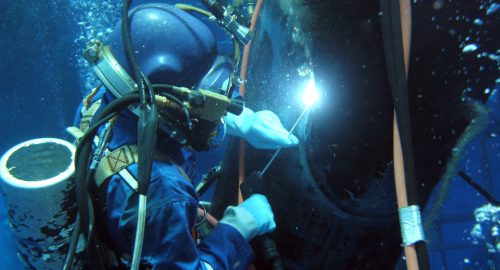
(146, 133)
(82, 196)
(83, 204)
(85, 147)
(129, 51)
(148, 117)
(82, 157)
(72, 245)
(90, 134)
(393, 45)
(138, 76)
(146, 144)
(168, 94)
(234, 64)
(207, 183)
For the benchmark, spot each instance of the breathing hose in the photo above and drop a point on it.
(84, 221)
(146, 134)
(72, 246)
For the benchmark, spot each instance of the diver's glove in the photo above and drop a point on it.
(251, 218)
(262, 129)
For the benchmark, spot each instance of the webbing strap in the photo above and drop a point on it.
(115, 161)
(88, 114)
(118, 160)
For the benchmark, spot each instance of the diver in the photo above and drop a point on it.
(174, 50)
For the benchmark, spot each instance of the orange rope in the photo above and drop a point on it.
(243, 75)
(88, 99)
(246, 52)
(399, 172)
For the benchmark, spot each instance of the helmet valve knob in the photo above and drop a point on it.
(93, 51)
(197, 100)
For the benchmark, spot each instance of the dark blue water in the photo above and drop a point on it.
(40, 82)
(43, 78)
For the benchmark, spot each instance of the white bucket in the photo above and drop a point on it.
(38, 188)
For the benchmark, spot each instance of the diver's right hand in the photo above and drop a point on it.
(251, 218)
(262, 129)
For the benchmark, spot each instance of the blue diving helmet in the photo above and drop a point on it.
(172, 48)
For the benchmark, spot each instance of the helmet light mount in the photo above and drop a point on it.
(229, 22)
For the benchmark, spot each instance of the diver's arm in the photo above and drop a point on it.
(251, 218)
(226, 248)
(168, 243)
(172, 212)
(222, 249)
(262, 129)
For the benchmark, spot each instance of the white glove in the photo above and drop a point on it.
(252, 217)
(262, 129)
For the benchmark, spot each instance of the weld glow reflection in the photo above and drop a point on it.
(310, 95)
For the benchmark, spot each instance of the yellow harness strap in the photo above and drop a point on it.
(88, 114)
(118, 160)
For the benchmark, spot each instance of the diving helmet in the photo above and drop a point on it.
(172, 48)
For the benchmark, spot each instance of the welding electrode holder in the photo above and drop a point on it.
(253, 184)
(264, 245)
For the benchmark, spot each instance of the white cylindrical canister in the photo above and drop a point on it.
(38, 188)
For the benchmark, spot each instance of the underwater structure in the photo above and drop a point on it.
(334, 196)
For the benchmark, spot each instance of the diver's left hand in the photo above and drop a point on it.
(262, 129)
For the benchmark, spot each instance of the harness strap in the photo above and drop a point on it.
(88, 114)
(76, 133)
(115, 161)
(111, 163)
(118, 160)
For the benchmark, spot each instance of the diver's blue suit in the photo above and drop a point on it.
(173, 47)
(171, 212)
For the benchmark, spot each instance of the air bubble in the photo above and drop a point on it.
(492, 8)
(469, 48)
